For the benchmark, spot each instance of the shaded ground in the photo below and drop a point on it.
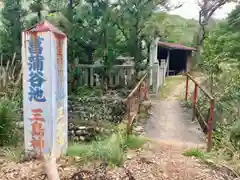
(169, 120)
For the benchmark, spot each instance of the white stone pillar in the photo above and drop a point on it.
(168, 59)
(44, 59)
(153, 58)
(162, 72)
(158, 77)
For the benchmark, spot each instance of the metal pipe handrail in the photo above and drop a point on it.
(197, 110)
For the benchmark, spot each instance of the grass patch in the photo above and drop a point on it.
(133, 142)
(194, 153)
(9, 134)
(11, 153)
(188, 104)
(170, 84)
(84, 91)
(111, 150)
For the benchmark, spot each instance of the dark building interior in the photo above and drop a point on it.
(177, 61)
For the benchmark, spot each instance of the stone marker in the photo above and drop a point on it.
(44, 59)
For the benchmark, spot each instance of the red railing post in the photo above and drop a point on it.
(194, 101)
(210, 121)
(133, 101)
(129, 115)
(146, 97)
(142, 92)
(186, 95)
(210, 125)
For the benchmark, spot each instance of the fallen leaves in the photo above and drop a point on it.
(154, 162)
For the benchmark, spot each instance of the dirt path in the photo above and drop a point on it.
(170, 121)
(165, 161)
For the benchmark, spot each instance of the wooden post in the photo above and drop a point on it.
(194, 101)
(110, 79)
(153, 57)
(86, 73)
(73, 83)
(163, 66)
(125, 77)
(159, 75)
(168, 59)
(151, 63)
(186, 95)
(210, 125)
(117, 77)
(80, 80)
(91, 76)
(145, 91)
(129, 76)
(122, 76)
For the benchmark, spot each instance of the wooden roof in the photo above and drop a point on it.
(175, 46)
(45, 26)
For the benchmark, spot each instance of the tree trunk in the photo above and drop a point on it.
(70, 10)
(39, 16)
(198, 45)
(136, 46)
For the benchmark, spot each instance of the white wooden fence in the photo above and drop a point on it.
(91, 75)
(120, 75)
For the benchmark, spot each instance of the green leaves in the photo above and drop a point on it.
(221, 62)
(171, 28)
(8, 129)
(36, 6)
(12, 16)
(234, 19)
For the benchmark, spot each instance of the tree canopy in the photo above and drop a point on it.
(97, 30)
(221, 64)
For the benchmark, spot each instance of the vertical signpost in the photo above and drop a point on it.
(44, 59)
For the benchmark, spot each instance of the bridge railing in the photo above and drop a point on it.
(206, 123)
(134, 99)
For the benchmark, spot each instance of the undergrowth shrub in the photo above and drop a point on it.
(235, 135)
(8, 130)
(188, 103)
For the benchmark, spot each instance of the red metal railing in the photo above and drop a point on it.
(207, 125)
(134, 99)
